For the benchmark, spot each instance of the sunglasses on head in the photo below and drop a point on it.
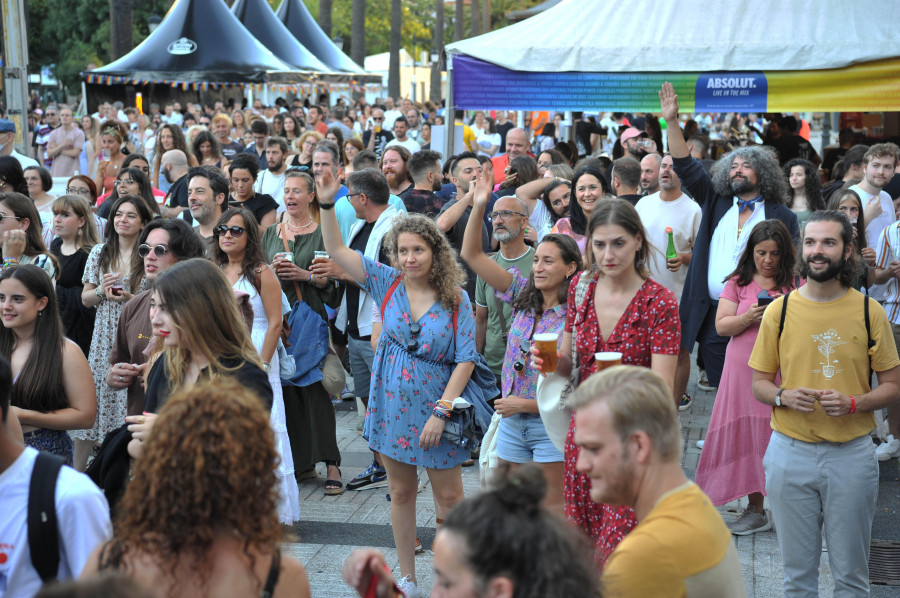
(159, 250)
(236, 231)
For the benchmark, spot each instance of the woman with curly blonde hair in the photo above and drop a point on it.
(418, 360)
(305, 145)
(189, 524)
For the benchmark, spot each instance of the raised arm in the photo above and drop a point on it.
(489, 270)
(351, 262)
(668, 103)
(531, 192)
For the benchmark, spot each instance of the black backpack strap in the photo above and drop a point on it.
(784, 313)
(43, 535)
(871, 342)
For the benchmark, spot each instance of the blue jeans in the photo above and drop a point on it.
(522, 438)
(809, 484)
(361, 358)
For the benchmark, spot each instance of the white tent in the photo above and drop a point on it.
(828, 55)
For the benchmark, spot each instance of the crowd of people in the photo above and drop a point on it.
(147, 341)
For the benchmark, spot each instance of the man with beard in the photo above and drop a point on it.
(746, 186)
(626, 179)
(492, 316)
(627, 430)
(207, 193)
(393, 167)
(650, 173)
(820, 463)
(454, 215)
(174, 167)
(879, 162)
(670, 208)
(401, 127)
(633, 143)
(425, 170)
(343, 209)
(271, 180)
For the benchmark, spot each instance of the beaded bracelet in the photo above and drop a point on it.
(10, 261)
(443, 408)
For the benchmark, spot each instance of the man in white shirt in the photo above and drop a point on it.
(7, 139)
(82, 513)
(390, 113)
(401, 127)
(172, 117)
(670, 208)
(879, 163)
(271, 180)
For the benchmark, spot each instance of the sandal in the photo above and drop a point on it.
(334, 487)
(309, 474)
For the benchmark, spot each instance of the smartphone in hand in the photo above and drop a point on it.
(764, 299)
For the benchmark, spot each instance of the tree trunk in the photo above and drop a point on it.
(325, 16)
(394, 67)
(476, 17)
(358, 32)
(121, 29)
(458, 22)
(486, 17)
(438, 45)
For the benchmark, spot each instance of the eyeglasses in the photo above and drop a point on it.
(296, 169)
(85, 192)
(349, 195)
(236, 231)
(413, 345)
(124, 181)
(2, 216)
(158, 250)
(505, 215)
(376, 118)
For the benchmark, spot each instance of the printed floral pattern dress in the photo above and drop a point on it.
(111, 402)
(649, 325)
(406, 385)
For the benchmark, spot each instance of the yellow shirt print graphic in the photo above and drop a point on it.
(826, 343)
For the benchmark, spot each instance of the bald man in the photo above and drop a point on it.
(174, 166)
(516, 146)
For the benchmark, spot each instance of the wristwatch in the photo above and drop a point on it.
(778, 397)
(267, 366)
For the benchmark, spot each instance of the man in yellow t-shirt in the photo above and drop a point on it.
(627, 428)
(820, 464)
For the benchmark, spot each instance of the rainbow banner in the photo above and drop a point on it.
(866, 87)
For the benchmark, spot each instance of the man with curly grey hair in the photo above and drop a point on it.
(745, 187)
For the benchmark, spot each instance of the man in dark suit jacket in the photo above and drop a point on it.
(744, 187)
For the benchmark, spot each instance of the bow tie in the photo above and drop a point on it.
(750, 203)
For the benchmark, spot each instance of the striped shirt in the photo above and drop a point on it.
(888, 250)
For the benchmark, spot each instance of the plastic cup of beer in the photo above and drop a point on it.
(606, 359)
(546, 343)
(283, 256)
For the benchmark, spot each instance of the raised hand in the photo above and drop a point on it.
(668, 102)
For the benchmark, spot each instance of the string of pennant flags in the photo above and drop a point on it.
(307, 87)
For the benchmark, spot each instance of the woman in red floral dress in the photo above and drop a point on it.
(626, 312)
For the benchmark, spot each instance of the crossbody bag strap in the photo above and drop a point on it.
(288, 249)
(504, 332)
(390, 292)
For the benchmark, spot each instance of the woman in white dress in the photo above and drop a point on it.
(239, 253)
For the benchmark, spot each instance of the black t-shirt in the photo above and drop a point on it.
(230, 150)
(503, 130)
(455, 237)
(583, 132)
(420, 201)
(260, 204)
(359, 243)
(381, 139)
(178, 194)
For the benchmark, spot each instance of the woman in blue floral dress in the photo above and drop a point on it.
(418, 360)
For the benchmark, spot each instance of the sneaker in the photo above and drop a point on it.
(685, 402)
(408, 587)
(347, 394)
(373, 477)
(750, 522)
(888, 449)
(703, 382)
(700, 444)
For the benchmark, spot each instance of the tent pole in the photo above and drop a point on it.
(450, 112)
(82, 105)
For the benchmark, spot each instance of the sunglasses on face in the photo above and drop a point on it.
(158, 250)
(2, 216)
(236, 231)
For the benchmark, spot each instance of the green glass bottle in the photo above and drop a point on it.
(671, 254)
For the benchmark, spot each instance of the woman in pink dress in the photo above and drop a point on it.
(731, 464)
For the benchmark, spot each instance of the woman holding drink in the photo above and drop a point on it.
(291, 246)
(539, 315)
(623, 311)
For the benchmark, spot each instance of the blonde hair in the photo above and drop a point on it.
(87, 234)
(298, 143)
(446, 276)
(638, 399)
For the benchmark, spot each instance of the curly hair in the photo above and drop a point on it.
(767, 230)
(446, 276)
(504, 532)
(207, 469)
(762, 159)
(214, 146)
(850, 269)
(813, 185)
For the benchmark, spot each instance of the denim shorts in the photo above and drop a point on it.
(522, 438)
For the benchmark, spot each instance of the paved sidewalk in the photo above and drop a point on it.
(332, 527)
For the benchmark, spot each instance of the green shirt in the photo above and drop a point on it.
(495, 341)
